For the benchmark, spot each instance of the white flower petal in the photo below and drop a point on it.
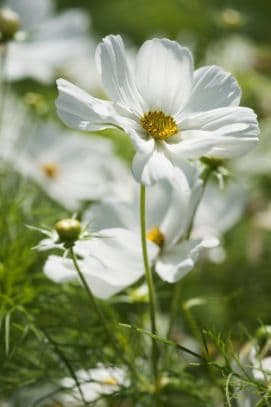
(195, 144)
(262, 369)
(183, 202)
(97, 275)
(27, 60)
(48, 244)
(232, 147)
(142, 143)
(213, 88)
(94, 383)
(158, 197)
(164, 72)
(220, 133)
(176, 262)
(215, 119)
(118, 252)
(112, 63)
(111, 213)
(81, 111)
(167, 204)
(149, 168)
(219, 210)
(72, 157)
(60, 269)
(70, 24)
(32, 12)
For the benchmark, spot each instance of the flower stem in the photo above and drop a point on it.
(89, 292)
(148, 275)
(174, 307)
(101, 316)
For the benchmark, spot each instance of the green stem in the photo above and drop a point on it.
(149, 279)
(101, 316)
(174, 308)
(195, 330)
(89, 292)
(177, 289)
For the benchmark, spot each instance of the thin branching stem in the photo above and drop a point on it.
(90, 295)
(67, 363)
(149, 279)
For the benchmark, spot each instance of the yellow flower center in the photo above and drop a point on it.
(110, 380)
(51, 170)
(156, 236)
(159, 125)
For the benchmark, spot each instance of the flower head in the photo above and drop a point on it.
(173, 255)
(46, 43)
(64, 235)
(254, 361)
(170, 111)
(94, 383)
(112, 260)
(69, 167)
(68, 230)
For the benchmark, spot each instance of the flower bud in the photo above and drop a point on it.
(9, 24)
(263, 332)
(68, 230)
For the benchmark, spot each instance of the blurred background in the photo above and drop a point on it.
(231, 287)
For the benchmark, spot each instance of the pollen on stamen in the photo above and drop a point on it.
(159, 125)
(156, 236)
(51, 170)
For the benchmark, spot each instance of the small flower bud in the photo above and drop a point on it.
(9, 24)
(263, 332)
(68, 230)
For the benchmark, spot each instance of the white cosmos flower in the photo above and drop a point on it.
(255, 365)
(170, 111)
(254, 361)
(47, 43)
(169, 211)
(71, 168)
(94, 383)
(261, 366)
(112, 260)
